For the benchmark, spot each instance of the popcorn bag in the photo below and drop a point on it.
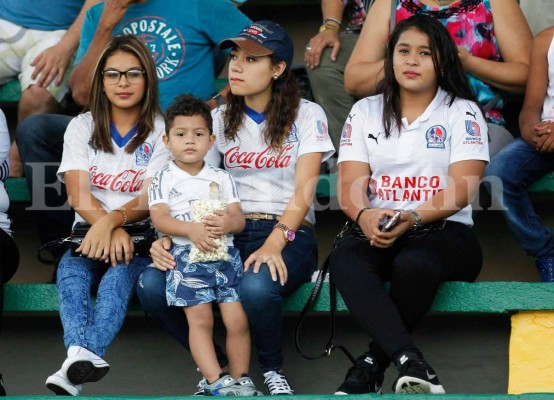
(200, 210)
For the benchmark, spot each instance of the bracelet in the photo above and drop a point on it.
(417, 219)
(124, 213)
(329, 27)
(338, 21)
(360, 213)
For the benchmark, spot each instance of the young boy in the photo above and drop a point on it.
(194, 286)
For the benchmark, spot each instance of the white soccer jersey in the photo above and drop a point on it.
(178, 190)
(115, 179)
(265, 178)
(409, 168)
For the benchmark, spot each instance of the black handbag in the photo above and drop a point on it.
(142, 233)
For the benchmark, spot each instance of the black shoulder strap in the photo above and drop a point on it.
(330, 346)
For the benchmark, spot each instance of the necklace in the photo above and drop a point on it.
(443, 3)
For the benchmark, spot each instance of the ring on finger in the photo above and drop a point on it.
(308, 47)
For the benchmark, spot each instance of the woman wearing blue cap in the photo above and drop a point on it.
(273, 143)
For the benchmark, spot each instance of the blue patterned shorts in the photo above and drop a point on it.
(190, 284)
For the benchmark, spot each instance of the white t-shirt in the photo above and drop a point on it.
(409, 168)
(5, 222)
(178, 190)
(266, 179)
(115, 179)
(548, 106)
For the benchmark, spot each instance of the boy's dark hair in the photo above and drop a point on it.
(187, 105)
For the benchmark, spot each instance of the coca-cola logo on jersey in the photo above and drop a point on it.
(130, 180)
(268, 158)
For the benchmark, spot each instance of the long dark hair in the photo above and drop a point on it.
(100, 106)
(280, 111)
(451, 76)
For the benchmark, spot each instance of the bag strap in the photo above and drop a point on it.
(392, 15)
(46, 247)
(330, 346)
(492, 102)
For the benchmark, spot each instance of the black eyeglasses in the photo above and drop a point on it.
(113, 76)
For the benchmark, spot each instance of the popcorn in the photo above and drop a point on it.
(200, 210)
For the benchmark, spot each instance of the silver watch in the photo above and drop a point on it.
(417, 224)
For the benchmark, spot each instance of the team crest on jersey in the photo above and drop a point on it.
(435, 136)
(163, 39)
(322, 131)
(143, 154)
(292, 136)
(345, 135)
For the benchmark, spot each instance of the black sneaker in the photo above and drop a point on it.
(415, 376)
(364, 377)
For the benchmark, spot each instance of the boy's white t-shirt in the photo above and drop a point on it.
(115, 179)
(265, 178)
(409, 168)
(178, 189)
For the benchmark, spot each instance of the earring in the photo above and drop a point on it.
(442, 74)
(275, 77)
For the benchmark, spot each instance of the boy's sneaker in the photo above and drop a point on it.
(200, 387)
(364, 377)
(415, 376)
(545, 266)
(82, 365)
(59, 384)
(247, 382)
(2, 390)
(225, 385)
(277, 383)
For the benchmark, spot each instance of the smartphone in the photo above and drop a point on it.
(389, 222)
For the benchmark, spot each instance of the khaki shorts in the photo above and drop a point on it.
(19, 47)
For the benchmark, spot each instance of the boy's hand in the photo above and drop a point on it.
(199, 235)
(219, 224)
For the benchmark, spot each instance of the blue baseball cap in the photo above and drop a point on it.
(263, 38)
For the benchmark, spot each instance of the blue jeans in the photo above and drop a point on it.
(518, 165)
(89, 325)
(40, 141)
(262, 298)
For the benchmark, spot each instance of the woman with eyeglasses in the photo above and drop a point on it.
(110, 153)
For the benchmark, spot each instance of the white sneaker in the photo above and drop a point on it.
(59, 384)
(82, 365)
(200, 387)
(277, 383)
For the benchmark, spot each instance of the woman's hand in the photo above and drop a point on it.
(161, 257)
(121, 247)
(96, 244)
(269, 254)
(369, 222)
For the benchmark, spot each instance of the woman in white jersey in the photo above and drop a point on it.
(110, 153)
(419, 147)
(9, 254)
(272, 142)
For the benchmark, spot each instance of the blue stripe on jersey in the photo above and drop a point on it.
(118, 139)
(256, 116)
